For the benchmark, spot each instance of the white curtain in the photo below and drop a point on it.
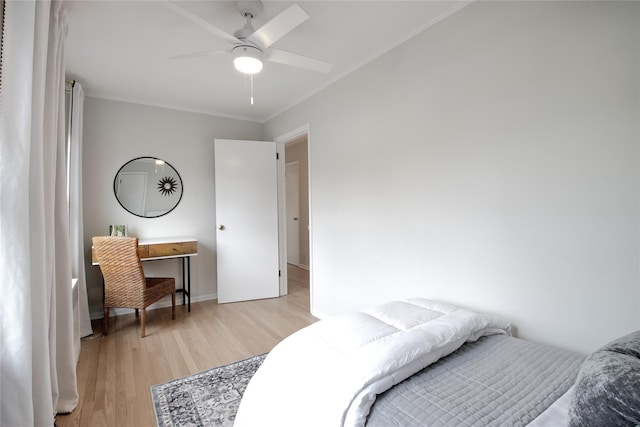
(37, 364)
(76, 220)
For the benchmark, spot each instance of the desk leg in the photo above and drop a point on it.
(189, 284)
(186, 282)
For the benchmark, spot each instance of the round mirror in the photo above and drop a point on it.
(148, 187)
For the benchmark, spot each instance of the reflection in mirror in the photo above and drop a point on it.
(148, 187)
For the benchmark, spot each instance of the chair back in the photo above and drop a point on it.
(124, 280)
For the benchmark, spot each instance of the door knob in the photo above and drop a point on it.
(295, 218)
(221, 227)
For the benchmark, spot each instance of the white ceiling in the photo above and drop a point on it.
(121, 50)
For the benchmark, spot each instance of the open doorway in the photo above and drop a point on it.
(296, 226)
(297, 213)
(297, 205)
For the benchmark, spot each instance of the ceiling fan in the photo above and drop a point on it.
(251, 47)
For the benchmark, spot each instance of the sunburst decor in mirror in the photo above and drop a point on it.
(167, 186)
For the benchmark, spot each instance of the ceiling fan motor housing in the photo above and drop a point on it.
(247, 50)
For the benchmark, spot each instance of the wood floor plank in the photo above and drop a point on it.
(116, 372)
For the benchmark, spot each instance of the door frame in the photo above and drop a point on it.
(281, 141)
(294, 164)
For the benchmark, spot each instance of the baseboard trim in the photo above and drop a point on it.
(320, 315)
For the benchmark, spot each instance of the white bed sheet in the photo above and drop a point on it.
(556, 415)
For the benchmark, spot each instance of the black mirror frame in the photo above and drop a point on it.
(155, 158)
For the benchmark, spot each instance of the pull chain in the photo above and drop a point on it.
(251, 89)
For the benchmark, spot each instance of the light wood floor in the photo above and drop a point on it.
(115, 372)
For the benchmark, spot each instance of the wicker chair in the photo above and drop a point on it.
(124, 282)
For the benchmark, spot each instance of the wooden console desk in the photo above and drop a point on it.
(167, 248)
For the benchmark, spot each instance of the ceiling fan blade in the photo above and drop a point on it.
(199, 54)
(295, 60)
(199, 21)
(273, 30)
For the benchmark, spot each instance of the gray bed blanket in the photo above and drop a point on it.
(495, 381)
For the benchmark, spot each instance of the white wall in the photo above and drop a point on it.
(491, 161)
(116, 132)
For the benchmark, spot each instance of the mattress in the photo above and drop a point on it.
(495, 381)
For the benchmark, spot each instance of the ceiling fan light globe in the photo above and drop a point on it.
(247, 59)
(247, 64)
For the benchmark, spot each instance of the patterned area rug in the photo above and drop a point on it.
(210, 398)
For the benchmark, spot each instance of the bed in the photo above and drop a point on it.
(497, 380)
(418, 362)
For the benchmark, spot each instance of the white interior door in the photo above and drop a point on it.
(246, 185)
(293, 214)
